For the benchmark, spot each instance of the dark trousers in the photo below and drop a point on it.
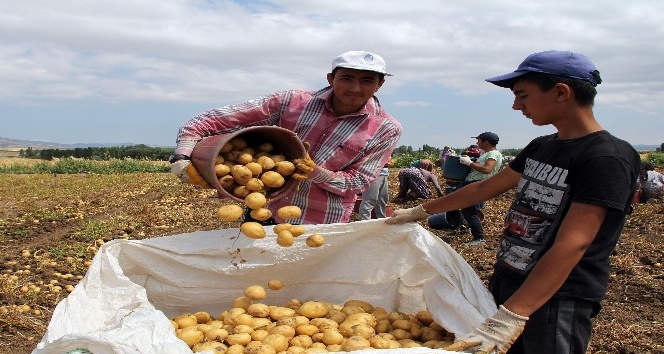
(560, 326)
(472, 216)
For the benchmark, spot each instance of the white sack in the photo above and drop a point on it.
(124, 302)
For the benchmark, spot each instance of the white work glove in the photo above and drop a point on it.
(495, 335)
(402, 216)
(179, 168)
(465, 160)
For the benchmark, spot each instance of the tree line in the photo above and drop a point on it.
(137, 152)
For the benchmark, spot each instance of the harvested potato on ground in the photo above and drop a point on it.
(273, 179)
(315, 240)
(252, 229)
(255, 200)
(289, 212)
(261, 214)
(255, 292)
(274, 284)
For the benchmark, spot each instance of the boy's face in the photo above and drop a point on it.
(352, 89)
(535, 104)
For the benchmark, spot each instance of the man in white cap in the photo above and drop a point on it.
(349, 134)
(573, 192)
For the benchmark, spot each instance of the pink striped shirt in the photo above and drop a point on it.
(348, 150)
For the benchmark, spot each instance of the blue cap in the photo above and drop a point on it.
(555, 62)
(488, 136)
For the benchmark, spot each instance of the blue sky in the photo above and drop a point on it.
(133, 71)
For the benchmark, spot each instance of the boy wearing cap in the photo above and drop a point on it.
(573, 192)
(348, 132)
(486, 165)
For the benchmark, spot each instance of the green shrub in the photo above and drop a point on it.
(77, 166)
(656, 158)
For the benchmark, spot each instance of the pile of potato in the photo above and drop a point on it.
(252, 327)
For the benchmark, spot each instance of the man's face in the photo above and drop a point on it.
(352, 89)
(535, 104)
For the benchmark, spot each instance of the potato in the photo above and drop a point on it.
(261, 214)
(332, 336)
(282, 226)
(255, 292)
(294, 304)
(314, 309)
(297, 230)
(255, 200)
(284, 330)
(266, 162)
(242, 302)
(289, 212)
(259, 348)
(226, 148)
(272, 179)
(244, 158)
(324, 323)
(424, 317)
(402, 324)
(278, 157)
(238, 338)
(301, 341)
(241, 174)
(261, 322)
(277, 341)
(265, 147)
(307, 330)
(367, 307)
(383, 326)
(221, 170)
(279, 312)
(337, 316)
(227, 182)
(284, 168)
(255, 168)
(241, 191)
(379, 343)
(242, 328)
(259, 334)
(315, 240)
(191, 336)
(238, 143)
(196, 178)
(361, 318)
(216, 334)
(349, 329)
(232, 156)
(255, 184)
(230, 212)
(252, 229)
(400, 334)
(202, 317)
(185, 320)
(274, 284)
(258, 310)
(285, 238)
(355, 343)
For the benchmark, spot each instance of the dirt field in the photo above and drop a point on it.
(51, 226)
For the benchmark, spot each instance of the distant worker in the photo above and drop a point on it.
(414, 182)
(376, 197)
(444, 153)
(651, 181)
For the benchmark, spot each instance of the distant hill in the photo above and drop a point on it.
(6, 143)
(643, 147)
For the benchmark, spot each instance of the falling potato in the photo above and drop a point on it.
(289, 212)
(252, 229)
(231, 212)
(315, 240)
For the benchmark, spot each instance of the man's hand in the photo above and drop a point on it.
(304, 166)
(402, 216)
(465, 160)
(496, 333)
(187, 173)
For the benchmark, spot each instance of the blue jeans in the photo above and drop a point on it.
(472, 216)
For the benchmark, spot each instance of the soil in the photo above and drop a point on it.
(52, 225)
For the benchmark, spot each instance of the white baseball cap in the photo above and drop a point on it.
(360, 60)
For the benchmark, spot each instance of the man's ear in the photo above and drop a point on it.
(330, 78)
(563, 92)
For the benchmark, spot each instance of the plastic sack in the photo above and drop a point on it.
(132, 288)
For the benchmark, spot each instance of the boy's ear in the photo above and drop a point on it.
(563, 92)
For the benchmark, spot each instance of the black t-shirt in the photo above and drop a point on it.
(597, 169)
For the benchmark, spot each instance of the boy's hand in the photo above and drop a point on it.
(402, 216)
(496, 333)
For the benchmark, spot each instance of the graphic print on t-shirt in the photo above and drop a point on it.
(528, 224)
